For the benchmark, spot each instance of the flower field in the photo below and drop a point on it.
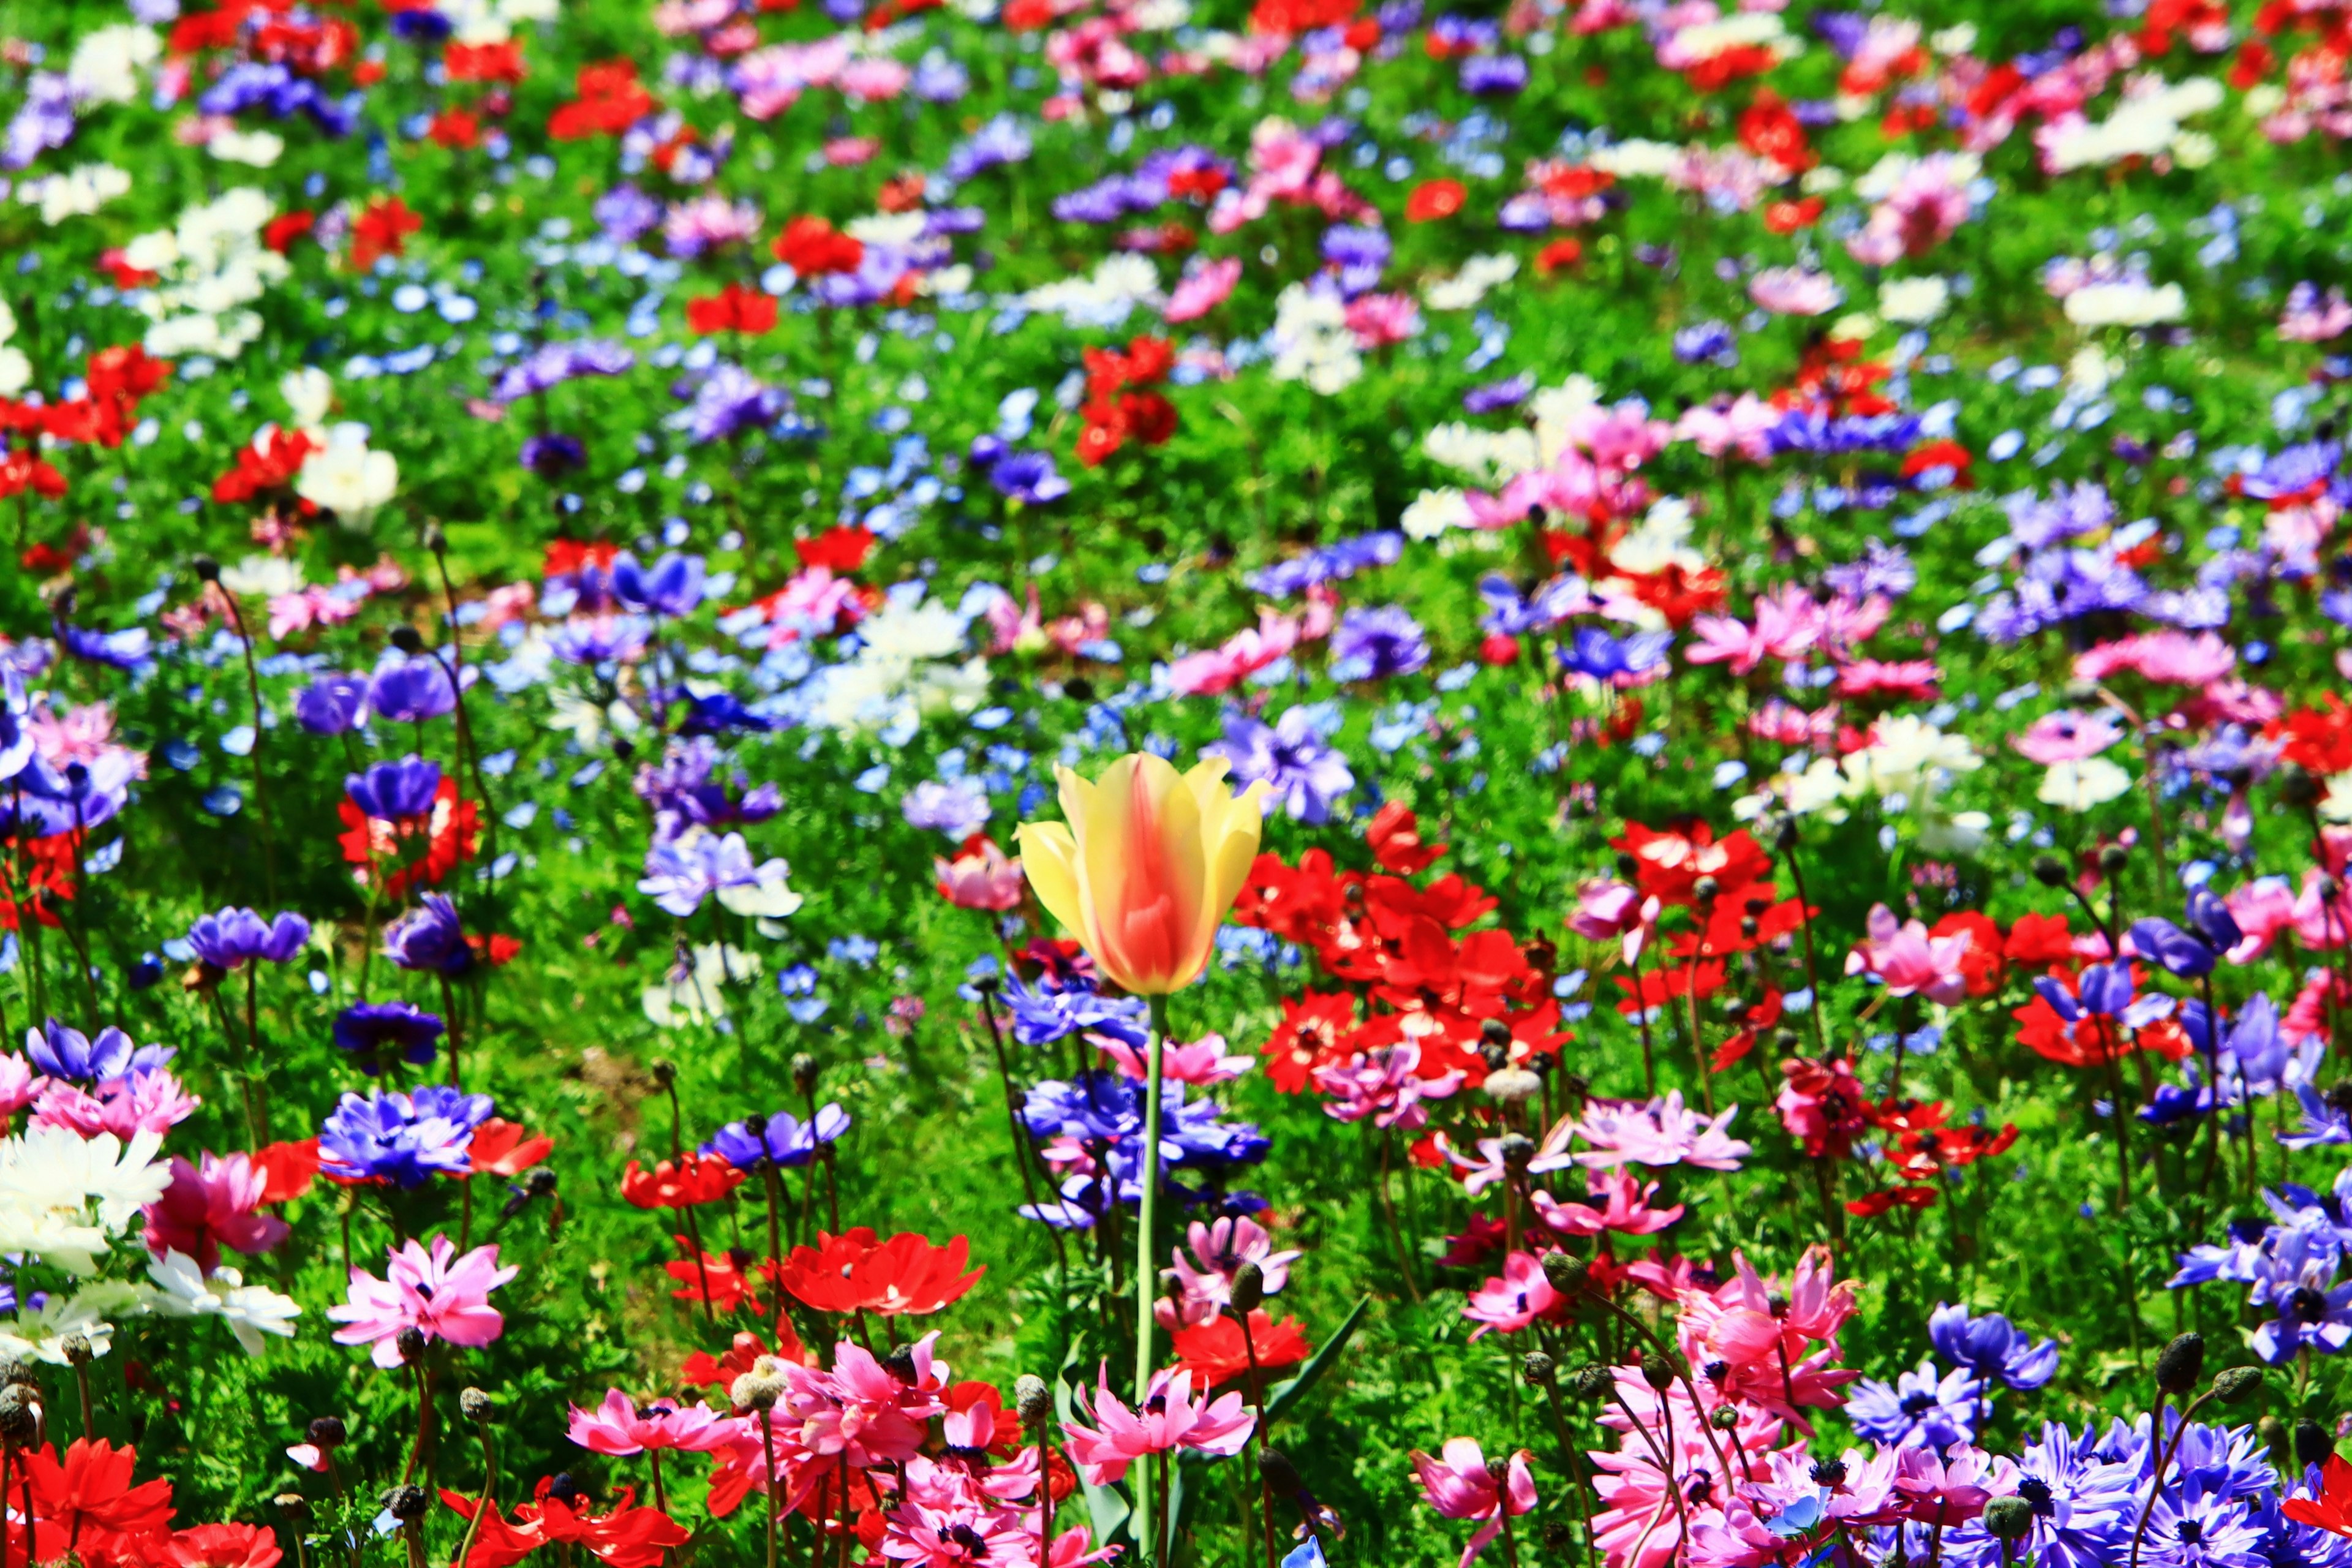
(1011, 784)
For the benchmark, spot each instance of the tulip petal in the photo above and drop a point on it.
(1049, 856)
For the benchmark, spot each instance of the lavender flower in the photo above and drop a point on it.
(405, 1140)
(1923, 1409)
(331, 704)
(234, 937)
(1302, 775)
(957, 807)
(374, 1032)
(552, 364)
(411, 690)
(782, 1139)
(429, 939)
(1028, 478)
(1991, 1347)
(390, 791)
(1371, 644)
(67, 1053)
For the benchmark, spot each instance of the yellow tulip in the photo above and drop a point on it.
(1146, 867)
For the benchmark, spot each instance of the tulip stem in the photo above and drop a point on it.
(1146, 1275)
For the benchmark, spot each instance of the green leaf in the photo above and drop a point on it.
(1291, 1391)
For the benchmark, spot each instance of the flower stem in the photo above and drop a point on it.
(1146, 1275)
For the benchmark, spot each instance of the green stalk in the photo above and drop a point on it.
(1146, 1275)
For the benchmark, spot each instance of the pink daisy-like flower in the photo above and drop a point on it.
(437, 1293)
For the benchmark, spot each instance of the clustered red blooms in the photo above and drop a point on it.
(1411, 972)
(813, 247)
(1121, 404)
(609, 99)
(733, 308)
(115, 381)
(267, 466)
(372, 844)
(87, 1501)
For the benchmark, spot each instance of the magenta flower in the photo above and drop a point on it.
(1908, 961)
(1663, 1131)
(1206, 1279)
(1171, 1419)
(1953, 1490)
(1459, 1484)
(1607, 910)
(1386, 1086)
(859, 1414)
(208, 1207)
(2066, 736)
(1621, 1203)
(1512, 1301)
(440, 1294)
(619, 1426)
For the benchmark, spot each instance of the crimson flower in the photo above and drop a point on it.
(733, 308)
(2331, 1510)
(502, 1148)
(689, 1179)
(627, 1537)
(1214, 1352)
(92, 1490)
(382, 230)
(907, 1275)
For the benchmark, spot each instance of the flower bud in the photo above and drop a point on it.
(1517, 1148)
(408, 640)
(410, 1343)
(2179, 1365)
(900, 1363)
(1494, 1032)
(1034, 1399)
(753, 1392)
(206, 569)
(1592, 1382)
(2009, 1518)
(2237, 1385)
(2113, 859)
(2312, 1444)
(1249, 1287)
(76, 1349)
(437, 540)
(1704, 888)
(1513, 1086)
(292, 1506)
(1280, 1472)
(404, 1503)
(2296, 786)
(1557, 1537)
(1537, 1367)
(1499, 1470)
(1565, 1274)
(663, 1071)
(1724, 1417)
(20, 1415)
(327, 1431)
(2049, 871)
(1657, 1371)
(804, 1070)
(474, 1405)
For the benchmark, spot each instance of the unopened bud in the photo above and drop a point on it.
(753, 1392)
(1657, 1371)
(408, 640)
(1513, 1086)
(2238, 1384)
(2312, 1444)
(2179, 1365)
(663, 1071)
(1034, 1399)
(474, 1405)
(436, 542)
(1280, 1472)
(327, 1431)
(2009, 1518)
(410, 1343)
(1537, 1367)
(1566, 1274)
(804, 1072)
(1724, 1417)
(2113, 859)
(1517, 1149)
(2049, 871)
(404, 1503)
(20, 1415)
(1592, 1382)
(2296, 786)
(1249, 1287)
(206, 569)
(1706, 888)
(76, 1349)
(292, 1506)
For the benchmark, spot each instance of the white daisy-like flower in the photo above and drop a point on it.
(250, 1311)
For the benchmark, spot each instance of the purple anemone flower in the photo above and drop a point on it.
(67, 1053)
(375, 1032)
(782, 1139)
(411, 690)
(429, 939)
(331, 704)
(1029, 478)
(232, 937)
(390, 791)
(405, 1140)
(1991, 1347)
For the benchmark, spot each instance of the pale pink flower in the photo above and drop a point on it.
(619, 1426)
(1380, 319)
(1739, 426)
(1789, 725)
(1203, 290)
(2313, 318)
(81, 734)
(1620, 436)
(1663, 1131)
(1459, 1484)
(19, 1084)
(1489, 1166)
(1203, 1061)
(1909, 961)
(2067, 736)
(208, 1206)
(705, 223)
(2167, 658)
(874, 79)
(1793, 291)
(437, 1293)
(980, 877)
(1171, 1419)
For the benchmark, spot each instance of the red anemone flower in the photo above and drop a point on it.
(1216, 1352)
(689, 1179)
(907, 1275)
